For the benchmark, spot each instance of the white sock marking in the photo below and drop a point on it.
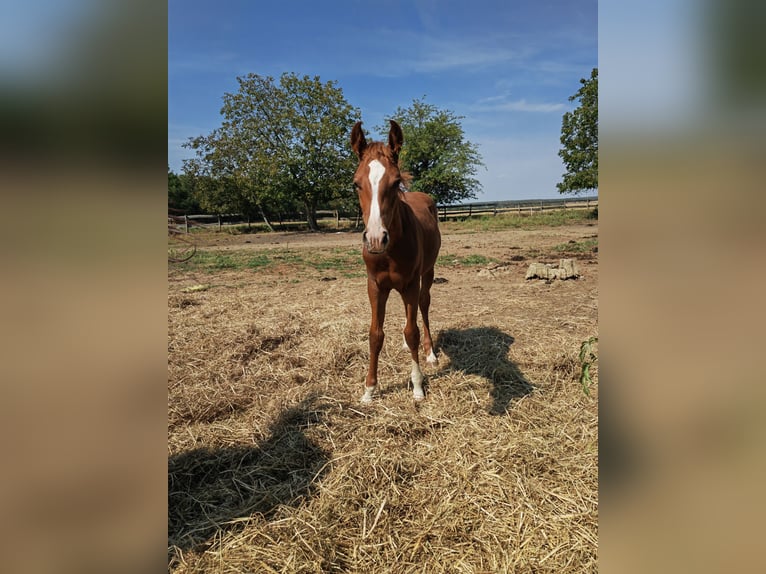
(368, 394)
(417, 381)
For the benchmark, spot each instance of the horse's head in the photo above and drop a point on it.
(377, 182)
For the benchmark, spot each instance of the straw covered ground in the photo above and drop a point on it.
(274, 465)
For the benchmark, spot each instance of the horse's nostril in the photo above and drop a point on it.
(364, 236)
(385, 237)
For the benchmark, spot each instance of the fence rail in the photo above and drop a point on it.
(523, 206)
(446, 212)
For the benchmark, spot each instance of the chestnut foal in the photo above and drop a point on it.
(401, 242)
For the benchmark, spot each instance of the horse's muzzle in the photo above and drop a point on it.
(375, 245)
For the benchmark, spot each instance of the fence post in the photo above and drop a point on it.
(219, 222)
(186, 223)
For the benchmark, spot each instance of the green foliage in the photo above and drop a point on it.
(579, 138)
(441, 161)
(281, 146)
(587, 358)
(181, 193)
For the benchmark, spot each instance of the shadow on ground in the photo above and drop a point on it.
(208, 489)
(483, 351)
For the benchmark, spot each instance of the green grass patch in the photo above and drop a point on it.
(346, 261)
(258, 261)
(343, 262)
(338, 259)
(288, 258)
(585, 246)
(504, 221)
(215, 261)
(465, 260)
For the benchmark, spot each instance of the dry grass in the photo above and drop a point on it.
(275, 466)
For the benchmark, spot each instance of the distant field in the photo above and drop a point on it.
(509, 220)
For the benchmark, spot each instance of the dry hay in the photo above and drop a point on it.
(275, 466)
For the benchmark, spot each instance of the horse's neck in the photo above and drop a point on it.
(402, 219)
(398, 213)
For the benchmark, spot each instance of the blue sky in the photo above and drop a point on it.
(507, 66)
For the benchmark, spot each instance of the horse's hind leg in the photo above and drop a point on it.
(425, 303)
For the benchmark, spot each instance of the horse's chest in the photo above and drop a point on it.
(394, 276)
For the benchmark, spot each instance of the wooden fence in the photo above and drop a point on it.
(521, 207)
(446, 212)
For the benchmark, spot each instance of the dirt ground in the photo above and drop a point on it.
(274, 465)
(495, 242)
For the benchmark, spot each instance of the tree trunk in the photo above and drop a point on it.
(265, 219)
(311, 216)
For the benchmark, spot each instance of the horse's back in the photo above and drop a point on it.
(424, 209)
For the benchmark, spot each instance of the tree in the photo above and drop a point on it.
(579, 138)
(280, 144)
(180, 193)
(436, 154)
(225, 179)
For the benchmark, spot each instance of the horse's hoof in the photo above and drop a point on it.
(418, 396)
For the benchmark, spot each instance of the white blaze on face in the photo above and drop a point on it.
(375, 222)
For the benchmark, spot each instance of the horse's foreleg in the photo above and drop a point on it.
(425, 303)
(412, 336)
(378, 299)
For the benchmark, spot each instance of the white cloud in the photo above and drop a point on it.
(500, 104)
(441, 56)
(411, 52)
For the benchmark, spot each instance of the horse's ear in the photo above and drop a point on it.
(395, 137)
(358, 143)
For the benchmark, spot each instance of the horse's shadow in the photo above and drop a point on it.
(210, 488)
(483, 351)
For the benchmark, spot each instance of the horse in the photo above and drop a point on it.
(400, 244)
